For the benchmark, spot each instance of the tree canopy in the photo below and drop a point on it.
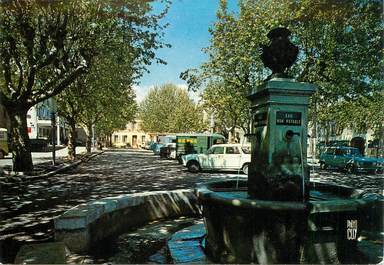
(169, 108)
(340, 50)
(103, 97)
(46, 45)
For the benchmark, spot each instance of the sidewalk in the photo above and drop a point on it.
(43, 157)
(43, 166)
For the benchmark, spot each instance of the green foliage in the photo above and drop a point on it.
(230, 109)
(169, 109)
(45, 46)
(104, 96)
(340, 51)
(363, 113)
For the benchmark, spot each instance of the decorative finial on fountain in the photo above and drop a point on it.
(281, 54)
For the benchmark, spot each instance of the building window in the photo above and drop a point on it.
(125, 138)
(116, 138)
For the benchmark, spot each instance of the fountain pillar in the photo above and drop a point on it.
(279, 127)
(273, 218)
(279, 140)
(279, 150)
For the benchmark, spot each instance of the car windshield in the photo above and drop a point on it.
(353, 151)
(344, 151)
(246, 149)
(348, 152)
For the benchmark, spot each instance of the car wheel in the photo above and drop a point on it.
(245, 168)
(180, 160)
(193, 166)
(323, 165)
(351, 168)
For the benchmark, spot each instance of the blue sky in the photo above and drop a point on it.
(187, 33)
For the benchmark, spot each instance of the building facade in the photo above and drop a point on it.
(39, 122)
(132, 136)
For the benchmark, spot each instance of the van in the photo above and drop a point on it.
(4, 149)
(196, 143)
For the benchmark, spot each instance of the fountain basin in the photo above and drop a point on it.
(323, 230)
(88, 224)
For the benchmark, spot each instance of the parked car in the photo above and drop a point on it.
(152, 145)
(168, 151)
(220, 157)
(156, 148)
(349, 159)
(39, 145)
(162, 141)
(147, 145)
(4, 146)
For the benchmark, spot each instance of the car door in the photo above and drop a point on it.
(215, 157)
(328, 156)
(231, 158)
(339, 159)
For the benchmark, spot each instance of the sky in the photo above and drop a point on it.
(188, 34)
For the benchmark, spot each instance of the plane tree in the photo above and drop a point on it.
(168, 108)
(102, 105)
(228, 111)
(105, 90)
(46, 46)
(340, 51)
(112, 102)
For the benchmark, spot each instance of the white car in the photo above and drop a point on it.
(172, 148)
(220, 157)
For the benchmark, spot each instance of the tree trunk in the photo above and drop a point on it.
(20, 145)
(72, 140)
(327, 133)
(224, 132)
(313, 142)
(88, 131)
(231, 135)
(106, 143)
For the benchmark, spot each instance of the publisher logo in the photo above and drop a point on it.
(351, 229)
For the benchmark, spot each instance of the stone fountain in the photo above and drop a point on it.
(278, 215)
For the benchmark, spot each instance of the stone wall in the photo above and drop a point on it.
(87, 224)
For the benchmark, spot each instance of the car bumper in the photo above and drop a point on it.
(368, 169)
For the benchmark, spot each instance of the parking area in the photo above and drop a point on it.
(42, 157)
